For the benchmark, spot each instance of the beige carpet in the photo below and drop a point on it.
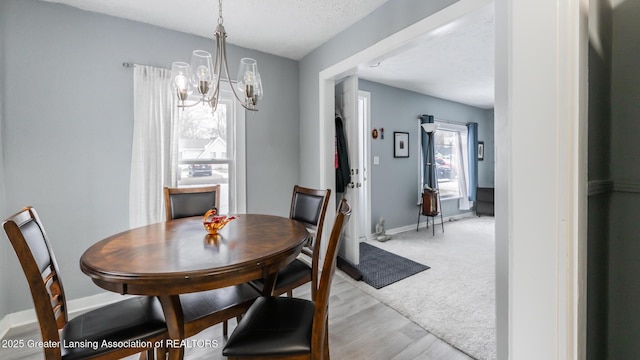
(455, 299)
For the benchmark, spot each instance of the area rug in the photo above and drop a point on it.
(455, 299)
(380, 268)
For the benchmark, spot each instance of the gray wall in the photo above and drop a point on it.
(396, 109)
(624, 247)
(599, 176)
(66, 150)
(487, 167)
(67, 126)
(4, 247)
(386, 20)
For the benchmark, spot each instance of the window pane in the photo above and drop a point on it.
(203, 148)
(202, 174)
(203, 135)
(447, 157)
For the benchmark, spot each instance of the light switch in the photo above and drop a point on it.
(376, 160)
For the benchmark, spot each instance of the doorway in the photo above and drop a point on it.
(558, 85)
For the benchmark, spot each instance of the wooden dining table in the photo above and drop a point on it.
(179, 256)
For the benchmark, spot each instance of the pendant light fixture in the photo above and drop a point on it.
(203, 76)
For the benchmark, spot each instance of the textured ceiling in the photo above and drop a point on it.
(288, 28)
(454, 62)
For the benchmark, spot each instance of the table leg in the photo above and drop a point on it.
(175, 324)
(269, 284)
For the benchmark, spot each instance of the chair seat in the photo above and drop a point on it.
(270, 328)
(292, 273)
(138, 318)
(296, 272)
(202, 304)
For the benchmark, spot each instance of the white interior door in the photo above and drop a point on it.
(350, 248)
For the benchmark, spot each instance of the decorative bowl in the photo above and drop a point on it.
(214, 222)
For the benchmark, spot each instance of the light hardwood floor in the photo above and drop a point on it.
(360, 327)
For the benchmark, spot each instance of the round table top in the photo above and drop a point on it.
(180, 256)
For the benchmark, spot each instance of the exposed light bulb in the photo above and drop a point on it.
(249, 77)
(203, 73)
(181, 82)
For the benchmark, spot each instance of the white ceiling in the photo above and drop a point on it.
(454, 63)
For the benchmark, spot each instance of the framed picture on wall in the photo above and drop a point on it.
(480, 150)
(401, 144)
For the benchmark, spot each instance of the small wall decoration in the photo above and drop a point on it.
(382, 133)
(401, 144)
(374, 133)
(480, 150)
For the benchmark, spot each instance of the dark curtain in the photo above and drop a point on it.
(428, 154)
(472, 150)
(343, 178)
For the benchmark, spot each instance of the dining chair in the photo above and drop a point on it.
(191, 201)
(206, 308)
(308, 206)
(137, 320)
(290, 328)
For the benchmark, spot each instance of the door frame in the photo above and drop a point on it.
(365, 196)
(550, 306)
(346, 100)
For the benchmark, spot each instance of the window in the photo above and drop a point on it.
(211, 150)
(450, 143)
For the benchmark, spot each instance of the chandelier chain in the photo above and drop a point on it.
(220, 18)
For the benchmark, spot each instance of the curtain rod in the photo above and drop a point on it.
(127, 64)
(441, 120)
(448, 121)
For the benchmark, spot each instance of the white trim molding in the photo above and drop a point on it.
(76, 306)
(541, 269)
(423, 222)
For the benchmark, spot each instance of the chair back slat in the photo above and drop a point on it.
(195, 201)
(30, 243)
(320, 316)
(53, 285)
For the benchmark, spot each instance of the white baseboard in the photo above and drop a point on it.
(26, 317)
(423, 224)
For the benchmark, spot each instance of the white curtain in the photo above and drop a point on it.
(154, 146)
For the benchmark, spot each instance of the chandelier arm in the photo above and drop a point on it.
(226, 69)
(216, 96)
(184, 105)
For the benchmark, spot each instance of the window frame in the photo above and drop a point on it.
(444, 126)
(235, 145)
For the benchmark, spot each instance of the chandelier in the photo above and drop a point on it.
(203, 76)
